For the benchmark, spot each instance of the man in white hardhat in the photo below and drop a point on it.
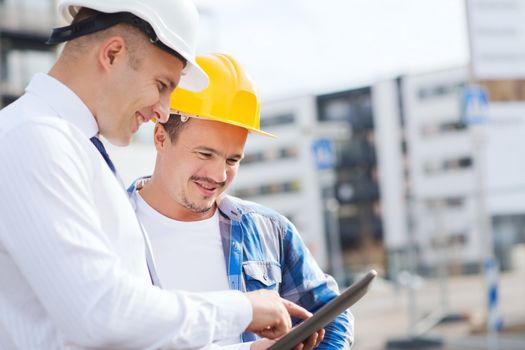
(75, 267)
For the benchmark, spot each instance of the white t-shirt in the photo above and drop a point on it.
(188, 254)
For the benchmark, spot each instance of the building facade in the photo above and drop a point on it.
(408, 186)
(24, 28)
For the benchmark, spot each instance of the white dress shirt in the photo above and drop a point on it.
(73, 272)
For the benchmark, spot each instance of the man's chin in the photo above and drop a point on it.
(201, 209)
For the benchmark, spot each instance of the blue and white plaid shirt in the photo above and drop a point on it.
(263, 250)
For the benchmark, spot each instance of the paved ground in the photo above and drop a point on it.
(383, 314)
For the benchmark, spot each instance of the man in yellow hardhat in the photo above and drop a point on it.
(205, 240)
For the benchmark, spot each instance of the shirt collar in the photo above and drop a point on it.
(64, 102)
(228, 207)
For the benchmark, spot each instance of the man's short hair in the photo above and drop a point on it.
(174, 126)
(134, 36)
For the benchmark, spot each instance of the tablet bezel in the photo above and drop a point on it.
(326, 314)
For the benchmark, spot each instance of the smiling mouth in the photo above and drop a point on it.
(207, 187)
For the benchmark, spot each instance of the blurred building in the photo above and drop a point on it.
(406, 174)
(321, 172)
(356, 185)
(442, 176)
(338, 205)
(293, 173)
(466, 183)
(24, 29)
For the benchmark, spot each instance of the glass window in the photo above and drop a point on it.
(271, 155)
(268, 189)
(436, 91)
(268, 121)
(22, 65)
(436, 166)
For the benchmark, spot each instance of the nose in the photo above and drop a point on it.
(218, 172)
(161, 109)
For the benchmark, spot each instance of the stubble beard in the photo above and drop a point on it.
(194, 207)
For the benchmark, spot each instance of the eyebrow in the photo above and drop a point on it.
(214, 151)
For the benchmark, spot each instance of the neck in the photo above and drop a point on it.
(77, 82)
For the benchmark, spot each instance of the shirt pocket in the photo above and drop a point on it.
(262, 275)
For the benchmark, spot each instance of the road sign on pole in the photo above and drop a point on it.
(323, 153)
(475, 105)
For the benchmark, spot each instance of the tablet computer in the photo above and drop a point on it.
(326, 314)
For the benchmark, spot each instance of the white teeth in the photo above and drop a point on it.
(207, 188)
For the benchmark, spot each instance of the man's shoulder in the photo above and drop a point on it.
(24, 116)
(32, 132)
(134, 188)
(137, 184)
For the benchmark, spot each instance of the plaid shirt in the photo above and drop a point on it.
(263, 250)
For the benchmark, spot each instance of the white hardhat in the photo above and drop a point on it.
(175, 24)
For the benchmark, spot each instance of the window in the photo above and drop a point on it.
(354, 106)
(269, 189)
(433, 167)
(23, 64)
(283, 119)
(437, 129)
(271, 155)
(435, 91)
(449, 202)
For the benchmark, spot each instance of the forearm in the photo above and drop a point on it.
(116, 310)
(306, 284)
(339, 334)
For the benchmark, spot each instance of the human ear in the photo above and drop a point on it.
(112, 51)
(160, 137)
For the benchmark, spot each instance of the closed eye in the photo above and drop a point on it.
(162, 86)
(232, 161)
(205, 155)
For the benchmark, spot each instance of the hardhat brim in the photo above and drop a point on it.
(193, 77)
(227, 121)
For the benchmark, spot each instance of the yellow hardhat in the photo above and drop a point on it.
(231, 96)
